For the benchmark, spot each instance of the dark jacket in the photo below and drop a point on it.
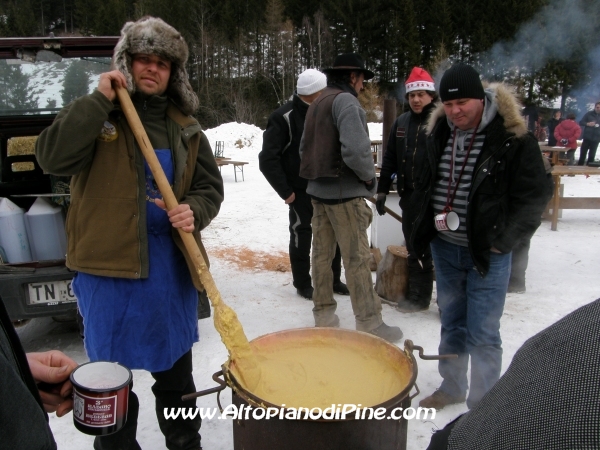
(552, 124)
(569, 130)
(530, 112)
(591, 133)
(279, 159)
(22, 417)
(90, 139)
(408, 131)
(509, 188)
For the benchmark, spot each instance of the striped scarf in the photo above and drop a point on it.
(462, 184)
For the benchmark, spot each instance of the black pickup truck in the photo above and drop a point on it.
(38, 76)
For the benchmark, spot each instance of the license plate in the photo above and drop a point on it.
(51, 293)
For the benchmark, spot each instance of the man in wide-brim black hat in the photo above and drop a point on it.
(337, 162)
(348, 62)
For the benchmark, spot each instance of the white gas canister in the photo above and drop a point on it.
(13, 234)
(45, 225)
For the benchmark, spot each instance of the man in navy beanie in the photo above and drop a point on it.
(482, 188)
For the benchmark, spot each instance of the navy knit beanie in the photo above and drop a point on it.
(461, 81)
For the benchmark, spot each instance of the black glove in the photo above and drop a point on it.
(564, 142)
(380, 204)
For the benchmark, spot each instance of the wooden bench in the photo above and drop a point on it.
(238, 166)
(558, 201)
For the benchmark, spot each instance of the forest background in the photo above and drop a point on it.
(245, 55)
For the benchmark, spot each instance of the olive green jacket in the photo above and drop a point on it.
(91, 141)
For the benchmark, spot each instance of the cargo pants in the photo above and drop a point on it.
(345, 224)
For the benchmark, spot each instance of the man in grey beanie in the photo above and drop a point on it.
(136, 292)
(482, 189)
(337, 161)
(280, 164)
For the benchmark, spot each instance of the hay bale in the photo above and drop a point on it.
(22, 145)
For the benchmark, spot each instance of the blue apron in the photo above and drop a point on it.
(143, 323)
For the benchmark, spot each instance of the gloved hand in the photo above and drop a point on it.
(564, 142)
(380, 204)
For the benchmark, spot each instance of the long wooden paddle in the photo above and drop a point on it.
(225, 318)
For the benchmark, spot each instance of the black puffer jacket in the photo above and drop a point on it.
(279, 159)
(509, 190)
(408, 131)
(591, 133)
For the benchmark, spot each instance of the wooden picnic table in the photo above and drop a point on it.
(238, 166)
(558, 200)
(554, 151)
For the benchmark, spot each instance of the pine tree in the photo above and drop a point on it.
(76, 82)
(15, 95)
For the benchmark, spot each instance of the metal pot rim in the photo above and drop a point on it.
(255, 401)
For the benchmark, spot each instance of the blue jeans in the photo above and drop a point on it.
(470, 308)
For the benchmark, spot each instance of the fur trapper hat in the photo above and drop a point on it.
(153, 36)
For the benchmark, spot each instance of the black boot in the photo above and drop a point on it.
(180, 433)
(340, 288)
(420, 288)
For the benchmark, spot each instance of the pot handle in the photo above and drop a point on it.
(222, 385)
(409, 346)
(410, 397)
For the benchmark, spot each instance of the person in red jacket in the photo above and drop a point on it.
(566, 133)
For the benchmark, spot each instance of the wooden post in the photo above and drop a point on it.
(389, 115)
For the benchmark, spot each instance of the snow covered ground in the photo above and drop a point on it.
(248, 243)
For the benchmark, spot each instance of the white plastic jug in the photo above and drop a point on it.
(45, 225)
(13, 235)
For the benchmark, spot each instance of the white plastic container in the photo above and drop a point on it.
(13, 234)
(45, 225)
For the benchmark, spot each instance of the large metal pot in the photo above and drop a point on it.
(301, 434)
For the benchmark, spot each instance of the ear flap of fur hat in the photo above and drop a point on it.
(153, 36)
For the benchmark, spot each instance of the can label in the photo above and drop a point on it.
(94, 412)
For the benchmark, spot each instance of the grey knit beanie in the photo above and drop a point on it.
(461, 81)
(151, 35)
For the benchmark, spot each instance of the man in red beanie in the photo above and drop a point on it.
(404, 154)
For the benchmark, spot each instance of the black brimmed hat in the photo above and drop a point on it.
(349, 62)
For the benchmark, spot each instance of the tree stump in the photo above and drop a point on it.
(392, 274)
(375, 259)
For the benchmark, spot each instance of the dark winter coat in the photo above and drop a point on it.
(530, 112)
(509, 188)
(569, 130)
(279, 159)
(24, 421)
(552, 124)
(591, 133)
(406, 151)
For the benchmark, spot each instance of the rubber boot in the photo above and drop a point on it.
(420, 288)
